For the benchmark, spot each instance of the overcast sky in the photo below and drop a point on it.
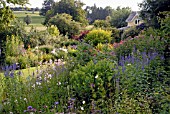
(99, 3)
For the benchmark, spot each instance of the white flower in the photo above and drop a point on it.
(38, 83)
(128, 64)
(53, 52)
(83, 102)
(33, 86)
(16, 101)
(36, 47)
(11, 113)
(45, 78)
(59, 83)
(50, 76)
(96, 76)
(25, 99)
(82, 108)
(62, 49)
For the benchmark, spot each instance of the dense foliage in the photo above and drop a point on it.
(70, 7)
(96, 72)
(65, 24)
(98, 36)
(151, 9)
(119, 16)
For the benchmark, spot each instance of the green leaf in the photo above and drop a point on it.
(109, 78)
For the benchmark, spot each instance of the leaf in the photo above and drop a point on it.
(109, 78)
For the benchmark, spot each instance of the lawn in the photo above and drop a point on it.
(37, 20)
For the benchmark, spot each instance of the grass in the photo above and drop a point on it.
(37, 20)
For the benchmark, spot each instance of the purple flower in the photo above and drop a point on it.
(14, 66)
(162, 57)
(56, 103)
(29, 107)
(123, 69)
(12, 74)
(6, 73)
(92, 85)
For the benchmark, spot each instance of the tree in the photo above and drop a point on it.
(71, 7)
(98, 13)
(27, 19)
(150, 11)
(65, 24)
(47, 5)
(119, 16)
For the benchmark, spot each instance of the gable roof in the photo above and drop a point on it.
(131, 16)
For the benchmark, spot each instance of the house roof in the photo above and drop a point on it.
(131, 16)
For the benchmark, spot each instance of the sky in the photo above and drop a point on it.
(99, 3)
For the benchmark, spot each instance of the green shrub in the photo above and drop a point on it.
(11, 60)
(65, 24)
(131, 32)
(13, 46)
(53, 31)
(101, 24)
(116, 37)
(24, 62)
(47, 57)
(92, 82)
(46, 48)
(98, 36)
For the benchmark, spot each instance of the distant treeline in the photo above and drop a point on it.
(24, 9)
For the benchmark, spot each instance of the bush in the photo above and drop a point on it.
(27, 20)
(101, 24)
(98, 36)
(48, 57)
(46, 48)
(131, 32)
(53, 31)
(24, 62)
(13, 46)
(11, 60)
(65, 24)
(92, 82)
(116, 37)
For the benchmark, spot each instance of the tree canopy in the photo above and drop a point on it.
(65, 24)
(71, 7)
(47, 5)
(151, 9)
(119, 16)
(97, 13)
